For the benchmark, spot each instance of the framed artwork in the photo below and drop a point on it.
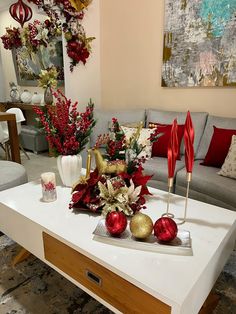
(29, 64)
(199, 43)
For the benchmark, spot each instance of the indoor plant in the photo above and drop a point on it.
(67, 132)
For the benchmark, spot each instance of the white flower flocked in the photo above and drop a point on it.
(228, 168)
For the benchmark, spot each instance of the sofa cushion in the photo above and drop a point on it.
(12, 174)
(219, 147)
(104, 117)
(229, 167)
(219, 122)
(157, 167)
(167, 117)
(205, 180)
(160, 147)
(143, 140)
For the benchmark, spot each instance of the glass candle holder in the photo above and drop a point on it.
(48, 182)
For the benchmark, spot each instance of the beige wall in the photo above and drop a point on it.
(84, 82)
(131, 54)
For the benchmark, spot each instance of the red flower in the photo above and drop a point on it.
(139, 179)
(12, 38)
(49, 186)
(77, 51)
(86, 195)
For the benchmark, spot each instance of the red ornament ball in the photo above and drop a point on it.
(165, 229)
(116, 223)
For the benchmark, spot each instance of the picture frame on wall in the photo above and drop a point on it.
(199, 50)
(28, 64)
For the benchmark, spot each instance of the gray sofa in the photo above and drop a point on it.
(11, 174)
(206, 184)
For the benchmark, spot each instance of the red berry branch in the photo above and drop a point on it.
(66, 129)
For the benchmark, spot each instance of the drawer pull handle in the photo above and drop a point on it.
(93, 277)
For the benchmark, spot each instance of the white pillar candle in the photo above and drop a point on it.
(48, 181)
(47, 177)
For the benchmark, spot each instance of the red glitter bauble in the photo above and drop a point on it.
(20, 12)
(165, 229)
(116, 223)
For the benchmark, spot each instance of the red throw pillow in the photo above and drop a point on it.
(159, 148)
(219, 147)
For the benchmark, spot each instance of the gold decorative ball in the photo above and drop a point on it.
(141, 226)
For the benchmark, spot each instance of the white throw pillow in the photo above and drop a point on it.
(228, 168)
(143, 140)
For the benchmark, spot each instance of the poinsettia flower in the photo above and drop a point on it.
(133, 192)
(138, 179)
(77, 195)
(85, 195)
(113, 199)
(42, 34)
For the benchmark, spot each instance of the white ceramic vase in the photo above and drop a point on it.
(36, 99)
(26, 96)
(69, 168)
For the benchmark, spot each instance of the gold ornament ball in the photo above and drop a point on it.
(141, 226)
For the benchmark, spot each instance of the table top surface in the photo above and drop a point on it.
(21, 105)
(209, 227)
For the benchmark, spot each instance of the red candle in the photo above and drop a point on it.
(188, 142)
(173, 148)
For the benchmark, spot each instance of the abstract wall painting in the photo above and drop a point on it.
(199, 43)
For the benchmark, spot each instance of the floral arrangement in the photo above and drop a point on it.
(124, 191)
(72, 12)
(66, 129)
(41, 33)
(48, 78)
(12, 38)
(33, 36)
(78, 45)
(38, 33)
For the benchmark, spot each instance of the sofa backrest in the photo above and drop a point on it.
(104, 118)
(219, 122)
(167, 117)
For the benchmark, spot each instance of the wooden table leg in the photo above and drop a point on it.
(14, 141)
(210, 304)
(21, 256)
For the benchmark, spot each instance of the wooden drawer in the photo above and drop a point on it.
(115, 290)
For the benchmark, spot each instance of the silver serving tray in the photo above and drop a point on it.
(181, 245)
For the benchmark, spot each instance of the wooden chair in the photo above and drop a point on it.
(4, 142)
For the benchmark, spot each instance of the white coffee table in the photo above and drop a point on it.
(124, 280)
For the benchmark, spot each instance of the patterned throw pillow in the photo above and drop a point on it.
(229, 166)
(143, 140)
